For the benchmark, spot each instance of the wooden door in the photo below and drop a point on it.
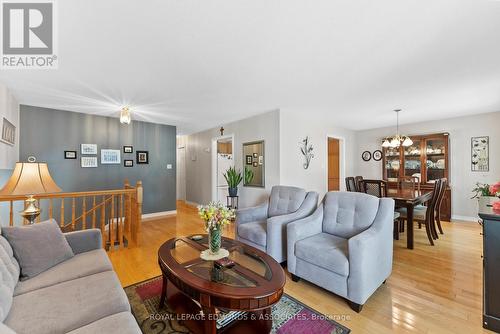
(333, 164)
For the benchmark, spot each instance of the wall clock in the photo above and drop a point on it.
(377, 155)
(366, 156)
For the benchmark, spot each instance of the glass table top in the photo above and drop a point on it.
(248, 268)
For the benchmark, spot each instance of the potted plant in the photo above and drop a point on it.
(215, 215)
(233, 179)
(485, 193)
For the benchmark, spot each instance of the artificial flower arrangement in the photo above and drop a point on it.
(483, 189)
(215, 215)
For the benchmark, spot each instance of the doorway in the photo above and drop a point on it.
(222, 160)
(334, 169)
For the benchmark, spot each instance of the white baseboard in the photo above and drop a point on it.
(155, 215)
(192, 203)
(464, 218)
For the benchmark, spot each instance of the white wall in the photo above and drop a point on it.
(9, 108)
(295, 125)
(462, 179)
(199, 157)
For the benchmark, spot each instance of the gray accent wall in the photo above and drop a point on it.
(47, 133)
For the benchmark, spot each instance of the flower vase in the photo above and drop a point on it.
(214, 240)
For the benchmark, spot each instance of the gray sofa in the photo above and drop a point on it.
(80, 296)
(264, 226)
(345, 246)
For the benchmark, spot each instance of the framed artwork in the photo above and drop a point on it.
(142, 157)
(128, 149)
(88, 162)
(255, 164)
(480, 154)
(128, 163)
(261, 159)
(8, 132)
(255, 155)
(249, 159)
(69, 154)
(89, 149)
(377, 155)
(366, 156)
(110, 157)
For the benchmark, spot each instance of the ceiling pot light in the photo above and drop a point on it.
(125, 117)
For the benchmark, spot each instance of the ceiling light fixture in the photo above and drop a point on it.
(125, 117)
(397, 140)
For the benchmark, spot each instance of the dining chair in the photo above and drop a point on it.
(358, 180)
(375, 187)
(350, 183)
(410, 183)
(444, 184)
(426, 214)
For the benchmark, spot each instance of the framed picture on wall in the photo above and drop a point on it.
(377, 155)
(255, 164)
(255, 155)
(261, 160)
(8, 132)
(88, 162)
(69, 154)
(366, 156)
(128, 149)
(248, 159)
(89, 149)
(110, 157)
(128, 163)
(480, 154)
(142, 157)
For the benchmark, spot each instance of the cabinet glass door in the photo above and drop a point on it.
(436, 159)
(412, 160)
(392, 164)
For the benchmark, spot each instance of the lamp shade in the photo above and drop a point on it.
(30, 178)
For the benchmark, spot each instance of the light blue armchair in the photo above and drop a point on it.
(264, 226)
(345, 246)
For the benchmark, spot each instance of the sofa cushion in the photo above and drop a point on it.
(119, 323)
(254, 231)
(69, 305)
(9, 276)
(285, 200)
(348, 213)
(80, 265)
(326, 251)
(5, 330)
(38, 247)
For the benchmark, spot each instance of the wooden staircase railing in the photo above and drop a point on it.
(117, 213)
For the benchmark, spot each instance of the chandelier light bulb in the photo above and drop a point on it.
(125, 117)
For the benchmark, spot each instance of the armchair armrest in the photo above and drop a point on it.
(252, 214)
(370, 254)
(276, 227)
(84, 241)
(302, 229)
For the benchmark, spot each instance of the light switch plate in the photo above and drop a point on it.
(169, 166)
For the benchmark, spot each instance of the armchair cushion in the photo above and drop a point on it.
(254, 231)
(285, 200)
(38, 247)
(347, 214)
(326, 251)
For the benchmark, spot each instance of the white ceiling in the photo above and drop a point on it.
(198, 64)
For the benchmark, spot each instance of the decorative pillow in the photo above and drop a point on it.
(37, 247)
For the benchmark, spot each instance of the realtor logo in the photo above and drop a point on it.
(28, 35)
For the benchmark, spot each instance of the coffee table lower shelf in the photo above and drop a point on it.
(258, 321)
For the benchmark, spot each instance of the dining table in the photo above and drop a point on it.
(408, 198)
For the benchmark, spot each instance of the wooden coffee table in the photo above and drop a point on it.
(244, 293)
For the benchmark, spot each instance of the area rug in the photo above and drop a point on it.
(289, 315)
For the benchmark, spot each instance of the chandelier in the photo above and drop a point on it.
(397, 140)
(125, 117)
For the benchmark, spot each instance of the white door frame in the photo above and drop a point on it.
(214, 161)
(341, 140)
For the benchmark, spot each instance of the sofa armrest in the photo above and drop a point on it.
(84, 241)
(301, 229)
(370, 254)
(252, 214)
(276, 227)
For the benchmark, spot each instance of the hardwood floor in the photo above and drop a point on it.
(431, 290)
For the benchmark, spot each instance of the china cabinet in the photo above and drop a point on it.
(427, 158)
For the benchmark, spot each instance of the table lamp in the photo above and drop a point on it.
(30, 178)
